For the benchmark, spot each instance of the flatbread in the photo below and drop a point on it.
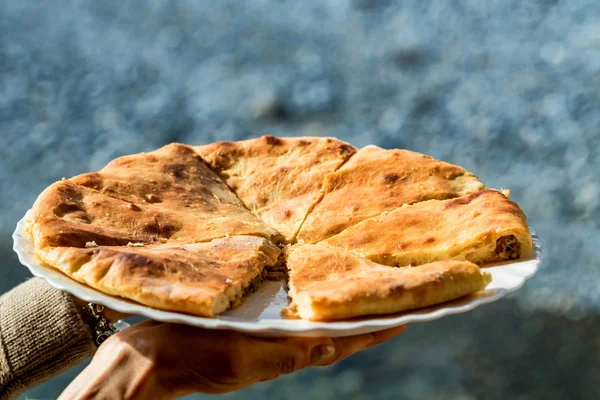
(482, 227)
(202, 278)
(374, 181)
(194, 229)
(278, 179)
(166, 195)
(328, 283)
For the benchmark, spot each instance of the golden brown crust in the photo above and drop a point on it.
(66, 214)
(329, 283)
(167, 195)
(172, 177)
(465, 228)
(279, 179)
(164, 229)
(375, 180)
(201, 278)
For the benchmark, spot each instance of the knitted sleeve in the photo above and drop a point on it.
(42, 335)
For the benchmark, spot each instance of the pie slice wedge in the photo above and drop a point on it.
(278, 179)
(203, 279)
(482, 227)
(166, 195)
(172, 177)
(328, 283)
(66, 214)
(374, 181)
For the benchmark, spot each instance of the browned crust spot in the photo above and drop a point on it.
(346, 149)
(391, 178)
(175, 170)
(272, 140)
(466, 199)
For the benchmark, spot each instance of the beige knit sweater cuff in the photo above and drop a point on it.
(41, 335)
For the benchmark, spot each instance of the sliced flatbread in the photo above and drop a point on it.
(374, 181)
(202, 279)
(278, 179)
(482, 227)
(328, 283)
(194, 229)
(172, 177)
(67, 214)
(166, 195)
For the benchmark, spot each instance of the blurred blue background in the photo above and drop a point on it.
(506, 88)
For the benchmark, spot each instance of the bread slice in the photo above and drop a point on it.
(482, 227)
(166, 195)
(328, 283)
(374, 181)
(278, 179)
(172, 177)
(203, 279)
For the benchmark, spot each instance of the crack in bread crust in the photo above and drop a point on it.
(317, 201)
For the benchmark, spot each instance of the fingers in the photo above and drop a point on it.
(284, 356)
(289, 355)
(349, 345)
(322, 354)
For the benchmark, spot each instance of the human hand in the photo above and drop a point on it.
(155, 360)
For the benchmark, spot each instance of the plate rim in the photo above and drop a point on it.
(265, 327)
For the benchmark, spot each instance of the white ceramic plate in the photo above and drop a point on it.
(260, 313)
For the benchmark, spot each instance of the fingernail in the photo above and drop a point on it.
(322, 354)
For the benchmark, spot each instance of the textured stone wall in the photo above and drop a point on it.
(507, 88)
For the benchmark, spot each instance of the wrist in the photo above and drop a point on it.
(118, 370)
(99, 319)
(111, 316)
